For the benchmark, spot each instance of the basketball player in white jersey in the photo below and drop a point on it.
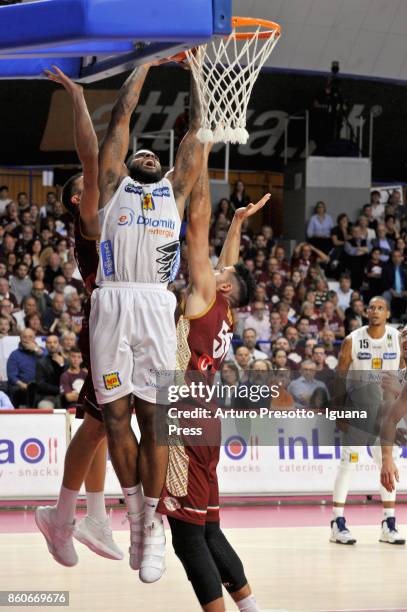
(133, 336)
(374, 349)
(397, 387)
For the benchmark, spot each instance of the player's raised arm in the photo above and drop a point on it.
(115, 145)
(231, 248)
(188, 162)
(87, 148)
(202, 279)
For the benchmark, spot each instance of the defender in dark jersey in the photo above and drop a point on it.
(204, 334)
(85, 459)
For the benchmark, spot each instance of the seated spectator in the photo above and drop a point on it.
(5, 293)
(239, 196)
(395, 284)
(331, 320)
(68, 271)
(382, 242)
(5, 199)
(6, 309)
(356, 311)
(41, 296)
(282, 343)
(35, 251)
(341, 232)
(368, 213)
(21, 367)
(59, 286)
(402, 246)
(33, 321)
(242, 360)
(20, 284)
(8, 245)
(392, 232)
(29, 307)
(356, 251)
(229, 376)
(276, 328)
(377, 206)
(323, 372)
(321, 292)
(52, 269)
(250, 342)
(72, 379)
(319, 228)
(331, 346)
(4, 327)
(309, 345)
(308, 310)
(372, 280)
(282, 264)
(274, 287)
(68, 342)
(303, 387)
(280, 360)
(267, 232)
(344, 291)
(302, 326)
(306, 255)
(225, 207)
(259, 321)
(75, 311)
(54, 312)
(48, 375)
(366, 232)
(11, 221)
(3, 267)
(25, 239)
(63, 324)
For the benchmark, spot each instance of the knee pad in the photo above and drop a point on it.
(227, 561)
(190, 546)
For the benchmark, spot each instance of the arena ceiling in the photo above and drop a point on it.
(367, 37)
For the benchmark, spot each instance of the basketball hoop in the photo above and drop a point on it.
(225, 71)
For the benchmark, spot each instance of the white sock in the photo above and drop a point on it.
(248, 604)
(134, 499)
(150, 507)
(65, 507)
(95, 502)
(338, 511)
(388, 512)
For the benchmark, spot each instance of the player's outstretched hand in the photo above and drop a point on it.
(389, 475)
(251, 209)
(60, 77)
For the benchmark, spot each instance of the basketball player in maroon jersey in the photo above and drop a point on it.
(85, 459)
(204, 333)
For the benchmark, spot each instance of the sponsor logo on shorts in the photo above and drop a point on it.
(377, 363)
(148, 202)
(389, 355)
(126, 216)
(106, 253)
(112, 380)
(364, 355)
(354, 457)
(171, 504)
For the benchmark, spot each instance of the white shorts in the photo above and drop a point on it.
(133, 340)
(352, 454)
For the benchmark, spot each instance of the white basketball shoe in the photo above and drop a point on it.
(340, 534)
(59, 539)
(389, 533)
(153, 562)
(98, 537)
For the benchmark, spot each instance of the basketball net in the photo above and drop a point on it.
(225, 71)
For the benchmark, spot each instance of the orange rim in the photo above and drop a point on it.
(242, 22)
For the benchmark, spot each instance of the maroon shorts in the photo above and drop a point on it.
(87, 402)
(201, 503)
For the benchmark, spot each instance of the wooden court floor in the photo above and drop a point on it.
(289, 568)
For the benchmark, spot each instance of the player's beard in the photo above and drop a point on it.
(144, 176)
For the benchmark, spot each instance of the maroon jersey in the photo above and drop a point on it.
(87, 259)
(204, 340)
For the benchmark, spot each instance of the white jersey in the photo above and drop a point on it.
(139, 241)
(375, 353)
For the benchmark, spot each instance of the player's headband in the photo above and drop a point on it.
(143, 152)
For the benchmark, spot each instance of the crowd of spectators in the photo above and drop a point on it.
(309, 299)
(41, 305)
(306, 300)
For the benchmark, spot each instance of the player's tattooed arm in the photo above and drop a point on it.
(339, 391)
(115, 146)
(202, 280)
(87, 148)
(231, 247)
(188, 162)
